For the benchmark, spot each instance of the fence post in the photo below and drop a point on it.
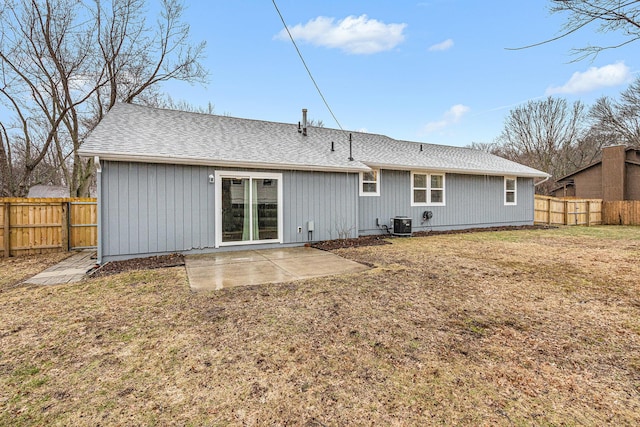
(7, 229)
(64, 226)
(588, 213)
(566, 212)
(549, 202)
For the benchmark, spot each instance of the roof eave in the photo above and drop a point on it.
(457, 170)
(126, 157)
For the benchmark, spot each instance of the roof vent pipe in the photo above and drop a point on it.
(350, 150)
(304, 121)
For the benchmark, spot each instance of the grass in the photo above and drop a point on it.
(17, 269)
(537, 327)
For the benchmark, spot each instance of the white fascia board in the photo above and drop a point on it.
(126, 157)
(456, 170)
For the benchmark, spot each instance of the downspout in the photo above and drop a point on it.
(96, 161)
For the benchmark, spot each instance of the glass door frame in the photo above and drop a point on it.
(219, 175)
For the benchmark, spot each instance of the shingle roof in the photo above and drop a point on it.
(45, 191)
(137, 133)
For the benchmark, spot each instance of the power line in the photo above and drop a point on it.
(306, 67)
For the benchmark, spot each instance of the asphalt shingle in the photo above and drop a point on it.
(136, 133)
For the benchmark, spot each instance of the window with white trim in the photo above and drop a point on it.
(510, 190)
(370, 183)
(427, 189)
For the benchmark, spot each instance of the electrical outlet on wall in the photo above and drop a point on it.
(299, 229)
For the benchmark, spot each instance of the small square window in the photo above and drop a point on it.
(369, 183)
(437, 181)
(369, 187)
(369, 176)
(419, 196)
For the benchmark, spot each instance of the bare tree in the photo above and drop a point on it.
(619, 119)
(543, 134)
(315, 123)
(65, 63)
(487, 147)
(169, 103)
(610, 16)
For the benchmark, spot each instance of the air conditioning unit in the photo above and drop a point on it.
(401, 226)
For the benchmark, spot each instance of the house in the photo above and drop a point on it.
(615, 177)
(176, 181)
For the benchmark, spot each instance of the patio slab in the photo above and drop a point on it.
(253, 267)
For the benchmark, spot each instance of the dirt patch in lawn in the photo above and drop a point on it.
(529, 327)
(329, 245)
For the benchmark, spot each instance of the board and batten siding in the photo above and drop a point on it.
(394, 200)
(155, 208)
(328, 199)
(161, 208)
(471, 201)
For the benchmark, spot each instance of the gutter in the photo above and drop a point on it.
(544, 180)
(125, 157)
(458, 170)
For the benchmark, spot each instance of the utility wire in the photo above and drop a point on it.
(306, 67)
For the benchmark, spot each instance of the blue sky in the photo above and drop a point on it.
(433, 71)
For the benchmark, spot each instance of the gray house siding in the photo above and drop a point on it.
(150, 209)
(394, 200)
(470, 201)
(161, 208)
(155, 208)
(330, 200)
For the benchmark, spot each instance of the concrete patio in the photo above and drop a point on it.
(229, 269)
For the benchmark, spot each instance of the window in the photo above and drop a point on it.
(370, 183)
(427, 189)
(510, 191)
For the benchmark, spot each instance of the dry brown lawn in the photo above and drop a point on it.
(537, 327)
(17, 269)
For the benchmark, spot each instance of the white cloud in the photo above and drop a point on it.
(353, 34)
(445, 45)
(594, 78)
(451, 116)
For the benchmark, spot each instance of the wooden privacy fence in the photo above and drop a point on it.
(32, 226)
(554, 211)
(625, 212)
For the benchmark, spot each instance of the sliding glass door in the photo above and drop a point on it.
(250, 208)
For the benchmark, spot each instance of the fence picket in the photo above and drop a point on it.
(39, 225)
(557, 211)
(625, 212)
